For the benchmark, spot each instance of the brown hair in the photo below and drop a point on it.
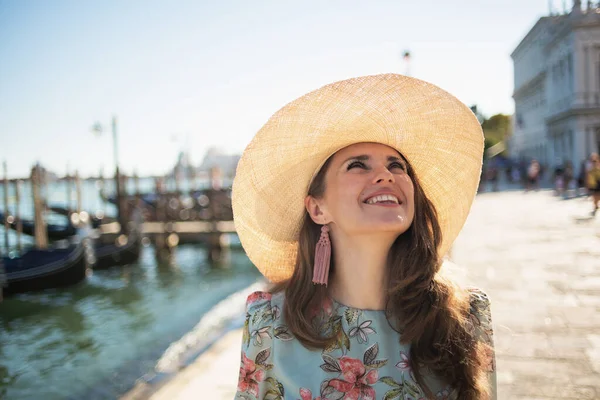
(429, 310)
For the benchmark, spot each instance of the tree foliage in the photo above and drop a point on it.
(496, 129)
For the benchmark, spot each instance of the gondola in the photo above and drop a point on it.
(55, 232)
(44, 269)
(115, 254)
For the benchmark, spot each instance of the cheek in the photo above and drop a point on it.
(346, 192)
(408, 187)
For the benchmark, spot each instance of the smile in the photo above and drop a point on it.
(388, 199)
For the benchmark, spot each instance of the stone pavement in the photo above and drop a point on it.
(538, 258)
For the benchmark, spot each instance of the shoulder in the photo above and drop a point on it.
(480, 315)
(264, 319)
(263, 309)
(478, 299)
(257, 298)
(264, 299)
(480, 307)
(259, 310)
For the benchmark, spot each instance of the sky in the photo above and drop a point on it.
(191, 75)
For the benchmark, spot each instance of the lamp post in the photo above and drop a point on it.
(406, 58)
(98, 129)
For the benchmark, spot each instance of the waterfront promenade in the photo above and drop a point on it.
(538, 258)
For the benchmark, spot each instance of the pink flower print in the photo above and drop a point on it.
(404, 364)
(306, 394)
(249, 376)
(257, 296)
(355, 384)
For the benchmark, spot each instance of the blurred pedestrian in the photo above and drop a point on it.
(569, 179)
(558, 178)
(348, 199)
(594, 181)
(581, 178)
(533, 175)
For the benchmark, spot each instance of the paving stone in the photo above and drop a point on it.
(540, 265)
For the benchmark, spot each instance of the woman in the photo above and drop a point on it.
(593, 181)
(347, 199)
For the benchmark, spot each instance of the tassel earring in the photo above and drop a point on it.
(322, 258)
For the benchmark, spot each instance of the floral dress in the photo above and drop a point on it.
(366, 361)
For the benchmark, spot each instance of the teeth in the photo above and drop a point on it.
(383, 197)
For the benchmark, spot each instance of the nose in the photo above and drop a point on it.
(383, 174)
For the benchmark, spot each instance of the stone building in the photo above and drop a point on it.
(557, 88)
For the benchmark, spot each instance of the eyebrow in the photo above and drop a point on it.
(365, 157)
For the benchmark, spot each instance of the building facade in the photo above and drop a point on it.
(557, 88)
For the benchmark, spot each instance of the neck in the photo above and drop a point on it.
(360, 271)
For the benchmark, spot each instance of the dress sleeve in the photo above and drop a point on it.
(257, 349)
(481, 317)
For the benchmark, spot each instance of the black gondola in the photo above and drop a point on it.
(55, 232)
(114, 254)
(44, 269)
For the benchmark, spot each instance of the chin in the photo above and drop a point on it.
(389, 227)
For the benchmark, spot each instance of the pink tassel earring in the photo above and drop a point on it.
(322, 258)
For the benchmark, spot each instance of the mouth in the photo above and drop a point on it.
(384, 200)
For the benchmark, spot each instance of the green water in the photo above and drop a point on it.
(93, 340)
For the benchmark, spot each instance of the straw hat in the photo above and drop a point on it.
(438, 135)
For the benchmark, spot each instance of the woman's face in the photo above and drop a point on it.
(367, 190)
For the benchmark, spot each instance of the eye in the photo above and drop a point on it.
(354, 164)
(397, 164)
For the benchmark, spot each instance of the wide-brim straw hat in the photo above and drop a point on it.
(439, 136)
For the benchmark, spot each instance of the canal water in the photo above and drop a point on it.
(93, 340)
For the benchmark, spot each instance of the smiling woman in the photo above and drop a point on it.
(350, 219)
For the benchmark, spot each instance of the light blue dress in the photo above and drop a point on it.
(365, 362)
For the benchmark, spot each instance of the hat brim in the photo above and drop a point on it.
(440, 137)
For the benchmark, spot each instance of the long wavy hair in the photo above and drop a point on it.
(428, 309)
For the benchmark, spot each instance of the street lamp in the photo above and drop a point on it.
(98, 129)
(406, 58)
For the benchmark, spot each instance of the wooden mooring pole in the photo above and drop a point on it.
(68, 192)
(78, 191)
(162, 246)
(215, 248)
(120, 202)
(101, 186)
(2, 271)
(6, 213)
(18, 187)
(41, 233)
(136, 185)
(124, 212)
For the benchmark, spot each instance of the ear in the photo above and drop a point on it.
(317, 210)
